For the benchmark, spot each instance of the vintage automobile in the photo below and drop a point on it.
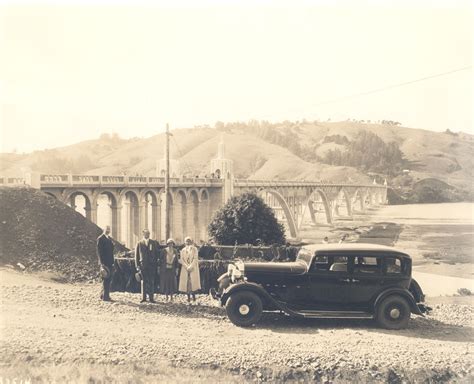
(356, 281)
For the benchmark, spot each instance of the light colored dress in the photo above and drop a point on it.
(189, 278)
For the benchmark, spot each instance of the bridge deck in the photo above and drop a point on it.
(68, 180)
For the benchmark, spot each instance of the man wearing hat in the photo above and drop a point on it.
(146, 261)
(105, 253)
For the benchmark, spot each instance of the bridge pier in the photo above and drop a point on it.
(91, 214)
(143, 217)
(156, 221)
(116, 223)
(311, 212)
(136, 203)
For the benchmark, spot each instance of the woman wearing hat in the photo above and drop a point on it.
(169, 269)
(189, 278)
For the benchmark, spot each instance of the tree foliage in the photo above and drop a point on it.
(370, 153)
(244, 219)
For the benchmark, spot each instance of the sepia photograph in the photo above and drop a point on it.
(254, 191)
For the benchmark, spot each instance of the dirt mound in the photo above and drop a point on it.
(39, 233)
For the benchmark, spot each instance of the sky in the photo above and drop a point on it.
(70, 72)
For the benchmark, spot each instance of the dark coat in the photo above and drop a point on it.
(163, 253)
(105, 250)
(146, 257)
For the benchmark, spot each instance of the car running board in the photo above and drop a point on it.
(320, 314)
(335, 314)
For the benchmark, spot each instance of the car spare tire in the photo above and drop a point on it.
(393, 312)
(244, 308)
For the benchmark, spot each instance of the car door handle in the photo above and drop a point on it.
(345, 280)
(355, 281)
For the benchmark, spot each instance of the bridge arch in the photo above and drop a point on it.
(193, 229)
(180, 200)
(286, 209)
(86, 206)
(343, 201)
(318, 196)
(51, 194)
(150, 215)
(130, 217)
(204, 212)
(108, 211)
(162, 222)
(359, 199)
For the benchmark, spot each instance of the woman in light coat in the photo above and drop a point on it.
(189, 278)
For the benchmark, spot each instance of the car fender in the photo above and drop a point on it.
(400, 292)
(248, 286)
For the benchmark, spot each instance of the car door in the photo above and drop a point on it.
(330, 282)
(366, 281)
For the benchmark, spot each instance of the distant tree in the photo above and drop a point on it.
(244, 219)
(449, 132)
(368, 152)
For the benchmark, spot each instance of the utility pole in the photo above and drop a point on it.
(167, 184)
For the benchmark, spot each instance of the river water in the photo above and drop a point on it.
(438, 237)
(433, 214)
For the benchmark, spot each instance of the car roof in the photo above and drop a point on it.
(349, 247)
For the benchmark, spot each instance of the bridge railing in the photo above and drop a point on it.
(279, 183)
(46, 180)
(12, 180)
(84, 179)
(108, 180)
(113, 179)
(55, 179)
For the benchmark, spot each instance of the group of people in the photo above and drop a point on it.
(150, 256)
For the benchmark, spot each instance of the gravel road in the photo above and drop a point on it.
(47, 323)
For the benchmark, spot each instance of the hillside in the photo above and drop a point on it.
(287, 150)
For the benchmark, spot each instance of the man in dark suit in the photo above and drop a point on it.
(146, 261)
(105, 252)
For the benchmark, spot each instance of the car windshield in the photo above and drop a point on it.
(305, 254)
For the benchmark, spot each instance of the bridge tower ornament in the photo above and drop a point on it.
(223, 168)
(175, 167)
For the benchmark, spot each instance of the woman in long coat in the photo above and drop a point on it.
(189, 278)
(169, 269)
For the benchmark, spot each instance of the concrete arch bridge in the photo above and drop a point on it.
(131, 203)
(297, 202)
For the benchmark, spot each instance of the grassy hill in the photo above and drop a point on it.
(287, 150)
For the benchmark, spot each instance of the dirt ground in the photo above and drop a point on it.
(53, 332)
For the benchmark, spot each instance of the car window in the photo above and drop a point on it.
(393, 265)
(339, 264)
(305, 255)
(367, 265)
(320, 263)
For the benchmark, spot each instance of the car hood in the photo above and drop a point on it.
(296, 267)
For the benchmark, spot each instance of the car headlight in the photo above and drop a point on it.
(234, 272)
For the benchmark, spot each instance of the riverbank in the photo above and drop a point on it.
(439, 237)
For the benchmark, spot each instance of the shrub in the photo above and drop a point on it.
(244, 219)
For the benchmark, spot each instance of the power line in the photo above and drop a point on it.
(390, 87)
(181, 155)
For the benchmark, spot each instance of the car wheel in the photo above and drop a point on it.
(393, 313)
(244, 308)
